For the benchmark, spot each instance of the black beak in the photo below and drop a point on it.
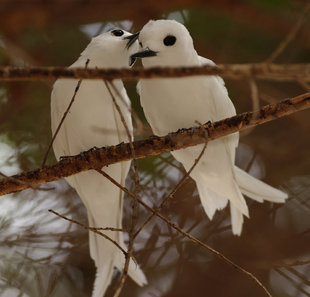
(131, 39)
(143, 54)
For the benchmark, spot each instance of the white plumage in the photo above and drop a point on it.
(170, 104)
(94, 121)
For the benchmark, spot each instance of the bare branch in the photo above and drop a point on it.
(290, 36)
(97, 158)
(304, 84)
(95, 230)
(136, 196)
(186, 234)
(176, 188)
(254, 94)
(25, 183)
(255, 101)
(276, 72)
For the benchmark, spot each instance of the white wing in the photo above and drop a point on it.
(205, 61)
(94, 121)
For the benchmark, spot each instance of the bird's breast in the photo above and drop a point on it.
(171, 104)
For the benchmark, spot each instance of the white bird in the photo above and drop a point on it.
(94, 121)
(170, 104)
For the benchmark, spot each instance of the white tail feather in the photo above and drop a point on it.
(108, 256)
(136, 274)
(242, 183)
(134, 270)
(103, 278)
(210, 200)
(213, 200)
(236, 220)
(256, 189)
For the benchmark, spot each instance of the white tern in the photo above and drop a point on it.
(94, 121)
(170, 104)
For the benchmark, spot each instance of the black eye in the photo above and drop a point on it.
(117, 32)
(140, 43)
(169, 40)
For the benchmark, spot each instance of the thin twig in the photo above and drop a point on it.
(112, 180)
(304, 84)
(176, 188)
(275, 72)
(63, 117)
(95, 230)
(254, 94)
(255, 101)
(135, 202)
(127, 105)
(100, 157)
(140, 126)
(251, 161)
(178, 167)
(290, 36)
(107, 84)
(189, 236)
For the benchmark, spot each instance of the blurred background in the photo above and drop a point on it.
(43, 255)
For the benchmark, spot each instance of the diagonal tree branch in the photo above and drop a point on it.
(96, 158)
(277, 72)
(290, 36)
(136, 196)
(176, 188)
(93, 229)
(186, 234)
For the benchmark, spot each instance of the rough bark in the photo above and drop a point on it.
(277, 72)
(96, 158)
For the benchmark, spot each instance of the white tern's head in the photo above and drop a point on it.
(165, 43)
(110, 49)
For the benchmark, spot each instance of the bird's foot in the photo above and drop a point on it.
(94, 148)
(208, 123)
(64, 158)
